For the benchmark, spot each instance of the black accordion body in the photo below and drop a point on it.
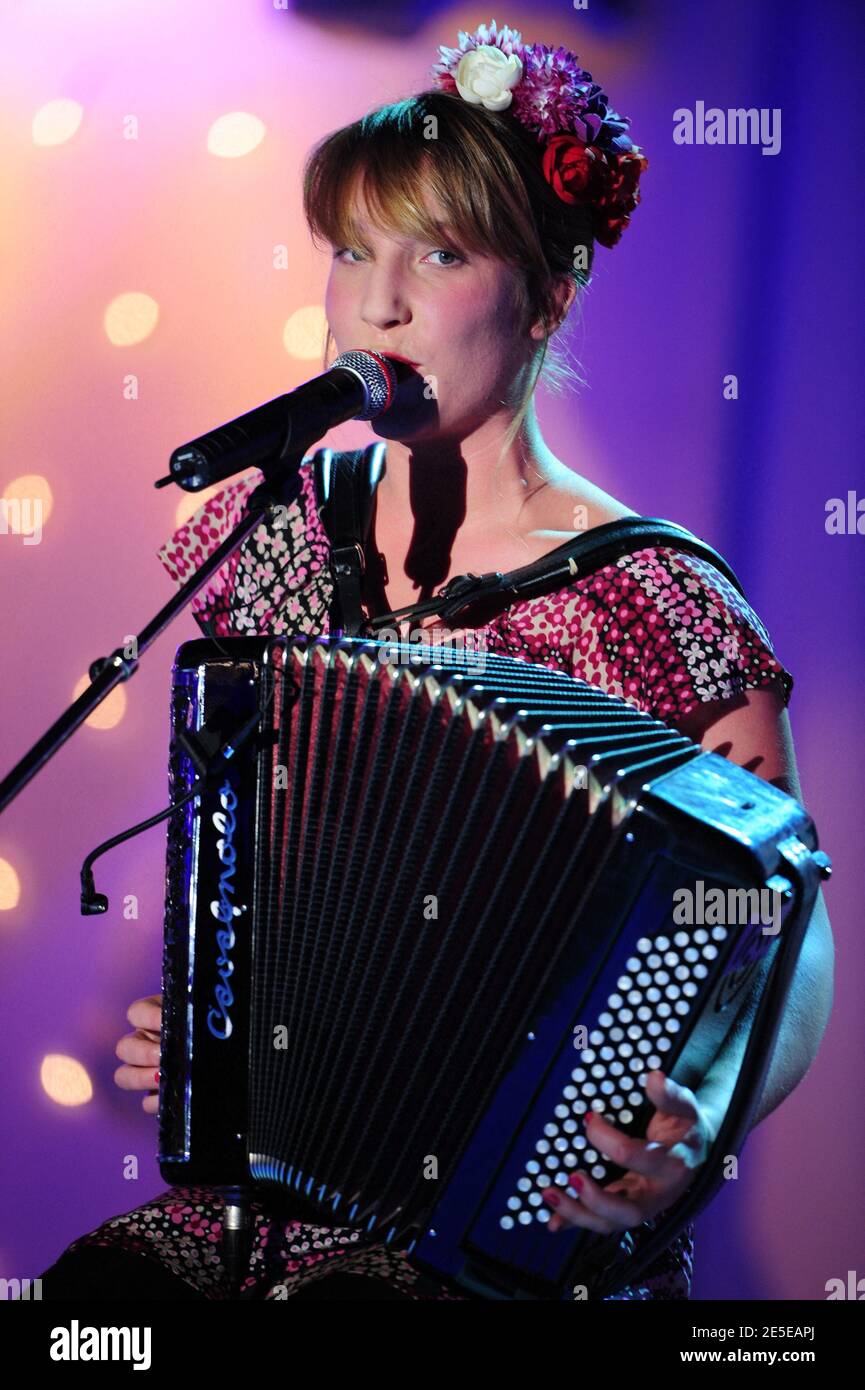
(426, 908)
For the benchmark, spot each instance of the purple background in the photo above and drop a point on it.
(736, 262)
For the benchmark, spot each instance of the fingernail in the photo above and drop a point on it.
(589, 1116)
(550, 1195)
(575, 1182)
(156, 1077)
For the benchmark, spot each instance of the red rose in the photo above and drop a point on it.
(619, 197)
(608, 229)
(580, 173)
(573, 170)
(623, 176)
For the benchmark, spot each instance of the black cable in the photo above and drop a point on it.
(208, 765)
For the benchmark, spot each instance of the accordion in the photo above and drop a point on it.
(425, 908)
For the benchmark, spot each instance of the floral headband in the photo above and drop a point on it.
(587, 158)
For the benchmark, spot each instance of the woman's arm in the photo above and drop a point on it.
(754, 731)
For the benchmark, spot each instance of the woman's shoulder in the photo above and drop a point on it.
(255, 590)
(566, 505)
(220, 511)
(660, 627)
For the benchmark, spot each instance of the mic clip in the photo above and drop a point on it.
(463, 591)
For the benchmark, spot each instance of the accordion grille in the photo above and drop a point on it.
(425, 840)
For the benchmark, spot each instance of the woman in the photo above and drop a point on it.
(462, 224)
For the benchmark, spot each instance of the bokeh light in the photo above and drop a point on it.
(130, 318)
(191, 501)
(10, 886)
(24, 492)
(235, 134)
(57, 121)
(64, 1080)
(305, 332)
(110, 712)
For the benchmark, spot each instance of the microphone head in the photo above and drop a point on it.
(380, 376)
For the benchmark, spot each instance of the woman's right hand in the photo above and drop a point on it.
(140, 1051)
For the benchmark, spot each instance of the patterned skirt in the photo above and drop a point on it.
(178, 1235)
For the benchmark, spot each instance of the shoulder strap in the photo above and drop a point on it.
(345, 484)
(468, 597)
(612, 540)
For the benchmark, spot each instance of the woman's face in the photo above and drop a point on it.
(453, 313)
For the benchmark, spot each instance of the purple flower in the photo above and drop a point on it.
(555, 95)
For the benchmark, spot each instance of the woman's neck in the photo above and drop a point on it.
(469, 478)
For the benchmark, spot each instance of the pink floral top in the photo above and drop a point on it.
(659, 628)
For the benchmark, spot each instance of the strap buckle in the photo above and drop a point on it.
(347, 559)
(461, 594)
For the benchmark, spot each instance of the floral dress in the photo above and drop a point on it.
(658, 627)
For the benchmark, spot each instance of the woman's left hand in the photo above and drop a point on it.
(659, 1167)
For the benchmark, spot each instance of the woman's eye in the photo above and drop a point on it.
(442, 251)
(457, 260)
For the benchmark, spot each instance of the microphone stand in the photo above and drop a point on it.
(280, 488)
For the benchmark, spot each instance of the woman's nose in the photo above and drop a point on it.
(384, 304)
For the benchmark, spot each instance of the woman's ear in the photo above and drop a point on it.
(562, 297)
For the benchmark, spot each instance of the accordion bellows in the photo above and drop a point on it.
(434, 906)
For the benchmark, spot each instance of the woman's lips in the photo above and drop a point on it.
(399, 357)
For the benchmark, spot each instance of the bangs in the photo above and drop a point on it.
(396, 158)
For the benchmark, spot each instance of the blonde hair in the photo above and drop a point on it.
(484, 168)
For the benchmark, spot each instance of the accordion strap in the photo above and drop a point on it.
(472, 598)
(345, 484)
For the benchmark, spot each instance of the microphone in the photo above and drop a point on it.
(359, 386)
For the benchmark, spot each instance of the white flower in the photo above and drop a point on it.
(486, 75)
